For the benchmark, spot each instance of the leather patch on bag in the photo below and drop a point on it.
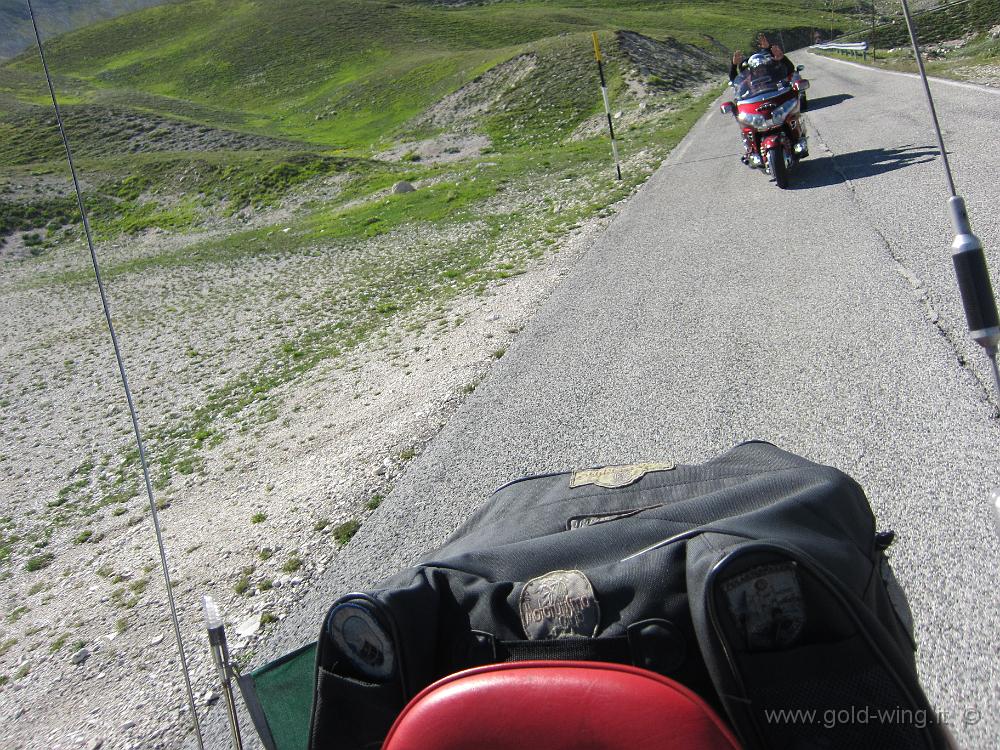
(613, 477)
(767, 603)
(560, 604)
(579, 522)
(362, 640)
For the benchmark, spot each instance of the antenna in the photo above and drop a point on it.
(970, 261)
(124, 377)
(220, 654)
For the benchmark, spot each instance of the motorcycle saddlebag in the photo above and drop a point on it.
(651, 565)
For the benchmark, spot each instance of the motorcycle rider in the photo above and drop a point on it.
(763, 71)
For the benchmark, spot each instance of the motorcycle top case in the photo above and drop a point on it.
(757, 576)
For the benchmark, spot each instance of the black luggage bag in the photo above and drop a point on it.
(757, 579)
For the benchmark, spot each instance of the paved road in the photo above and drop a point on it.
(717, 308)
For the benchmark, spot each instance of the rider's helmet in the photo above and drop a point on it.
(757, 59)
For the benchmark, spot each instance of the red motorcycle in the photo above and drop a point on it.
(768, 107)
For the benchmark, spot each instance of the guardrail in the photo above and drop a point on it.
(858, 48)
(851, 46)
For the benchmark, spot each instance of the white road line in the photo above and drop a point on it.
(935, 79)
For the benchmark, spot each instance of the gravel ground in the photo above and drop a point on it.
(263, 510)
(259, 503)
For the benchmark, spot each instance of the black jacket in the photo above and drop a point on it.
(787, 64)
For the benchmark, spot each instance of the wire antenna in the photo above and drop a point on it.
(968, 256)
(930, 99)
(128, 391)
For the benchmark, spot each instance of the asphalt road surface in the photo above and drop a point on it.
(717, 308)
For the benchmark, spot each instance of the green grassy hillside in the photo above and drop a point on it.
(949, 21)
(236, 138)
(954, 37)
(362, 67)
(315, 76)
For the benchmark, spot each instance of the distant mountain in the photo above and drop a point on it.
(56, 17)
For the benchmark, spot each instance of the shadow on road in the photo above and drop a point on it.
(835, 170)
(828, 101)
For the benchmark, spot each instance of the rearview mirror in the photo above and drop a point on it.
(800, 68)
(727, 108)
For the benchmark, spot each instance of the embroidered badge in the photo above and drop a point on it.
(613, 477)
(560, 604)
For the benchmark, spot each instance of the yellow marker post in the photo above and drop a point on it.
(607, 103)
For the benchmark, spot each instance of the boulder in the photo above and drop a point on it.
(80, 656)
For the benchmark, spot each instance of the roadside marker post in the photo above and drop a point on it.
(607, 104)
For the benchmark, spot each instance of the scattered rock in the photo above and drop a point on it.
(157, 640)
(80, 656)
(403, 187)
(249, 626)
(95, 744)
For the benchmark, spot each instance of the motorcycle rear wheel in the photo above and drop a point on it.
(776, 166)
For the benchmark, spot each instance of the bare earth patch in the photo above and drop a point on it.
(444, 148)
(462, 110)
(984, 75)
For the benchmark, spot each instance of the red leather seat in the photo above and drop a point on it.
(558, 705)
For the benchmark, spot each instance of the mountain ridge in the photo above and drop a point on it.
(56, 17)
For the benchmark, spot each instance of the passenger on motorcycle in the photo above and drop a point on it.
(762, 73)
(739, 63)
(779, 54)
